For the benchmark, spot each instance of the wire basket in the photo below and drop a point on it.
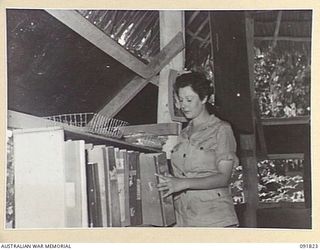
(106, 126)
(75, 119)
(92, 122)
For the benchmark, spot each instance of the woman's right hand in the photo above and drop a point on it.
(170, 184)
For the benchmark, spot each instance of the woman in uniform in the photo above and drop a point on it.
(202, 160)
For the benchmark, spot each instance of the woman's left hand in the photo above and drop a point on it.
(170, 184)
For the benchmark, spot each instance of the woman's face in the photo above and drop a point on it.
(190, 102)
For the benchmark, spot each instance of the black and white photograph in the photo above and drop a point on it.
(158, 118)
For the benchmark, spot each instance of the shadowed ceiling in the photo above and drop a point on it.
(53, 70)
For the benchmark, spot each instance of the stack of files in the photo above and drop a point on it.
(50, 180)
(39, 178)
(134, 188)
(112, 187)
(97, 186)
(104, 158)
(69, 184)
(156, 210)
(123, 185)
(94, 199)
(75, 186)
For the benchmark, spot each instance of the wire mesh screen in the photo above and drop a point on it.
(106, 126)
(75, 119)
(92, 122)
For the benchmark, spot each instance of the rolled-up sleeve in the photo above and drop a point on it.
(226, 145)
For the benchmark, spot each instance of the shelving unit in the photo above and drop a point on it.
(69, 174)
(18, 120)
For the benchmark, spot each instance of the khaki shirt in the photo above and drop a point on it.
(198, 155)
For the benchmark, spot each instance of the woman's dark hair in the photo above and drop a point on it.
(197, 81)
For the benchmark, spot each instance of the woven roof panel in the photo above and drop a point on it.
(135, 30)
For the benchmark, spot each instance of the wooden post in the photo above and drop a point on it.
(248, 142)
(171, 22)
(277, 29)
(307, 172)
(248, 161)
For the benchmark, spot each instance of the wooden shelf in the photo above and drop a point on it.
(73, 134)
(280, 156)
(281, 204)
(18, 120)
(285, 121)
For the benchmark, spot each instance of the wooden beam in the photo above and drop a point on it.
(89, 31)
(277, 28)
(125, 95)
(153, 129)
(248, 142)
(260, 131)
(194, 15)
(18, 120)
(250, 180)
(283, 38)
(200, 28)
(285, 121)
(155, 81)
(296, 205)
(206, 41)
(195, 37)
(286, 156)
(171, 24)
(284, 22)
(249, 26)
(175, 46)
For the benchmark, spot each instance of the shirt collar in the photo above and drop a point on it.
(211, 122)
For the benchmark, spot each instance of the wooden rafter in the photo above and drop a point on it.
(277, 28)
(284, 22)
(90, 32)
(146, 73)
(285, 156)
(123, 97)
(206, 41)
(173, 48)
(195, 37)
(138, 83)
(248, 142)
(194, 15)
(285, 121)
(259, 129)
(283, 38)
(203, 24)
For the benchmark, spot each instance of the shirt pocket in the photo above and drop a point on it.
(207, 141)
(208, 202)
(203, 159)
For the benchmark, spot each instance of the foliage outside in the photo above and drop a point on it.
(278, 181)
(282, 83)
(10, 184)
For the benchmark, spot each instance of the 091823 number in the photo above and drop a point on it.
(308, 246)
